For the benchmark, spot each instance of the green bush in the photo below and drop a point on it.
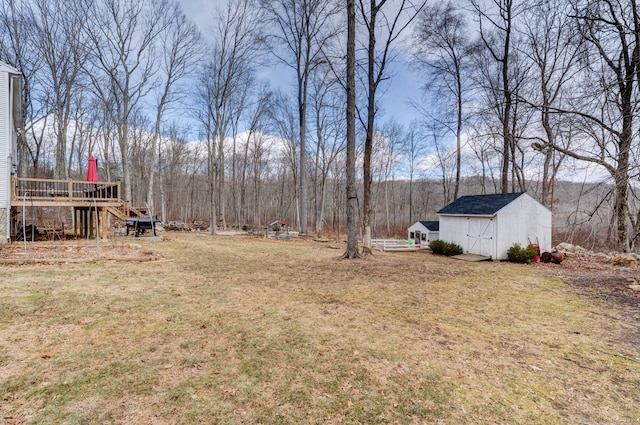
(445, 248)
(518, 254)
(436, 246)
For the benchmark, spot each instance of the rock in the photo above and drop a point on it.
(200, 225)
(564, 246)
(568, 248)
(634, 287)
(176, 226)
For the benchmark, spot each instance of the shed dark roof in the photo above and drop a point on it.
(434, 226)
(479, 204)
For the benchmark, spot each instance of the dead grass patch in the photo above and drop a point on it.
(242, 330)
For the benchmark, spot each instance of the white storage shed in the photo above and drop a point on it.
(488, 225)
(10, 117)
(423, 232)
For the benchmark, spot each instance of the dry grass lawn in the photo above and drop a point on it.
(237, 330)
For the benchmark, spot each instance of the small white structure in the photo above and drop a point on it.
(10, 118)
(423, 232)
(489, 225)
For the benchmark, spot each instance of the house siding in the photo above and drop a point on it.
(5, 155)
(8, 142)
(5, 139)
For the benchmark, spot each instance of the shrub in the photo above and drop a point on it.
(518, 254)
(436, 246)
(445, 248)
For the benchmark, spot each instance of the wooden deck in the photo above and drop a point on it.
(63, 193)
(83, 197)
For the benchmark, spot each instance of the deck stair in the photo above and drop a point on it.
(124, 211)
(135, 212)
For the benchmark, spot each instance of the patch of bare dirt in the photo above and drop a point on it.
(72, 251)
(597, 276)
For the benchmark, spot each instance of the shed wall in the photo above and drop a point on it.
(521, 221)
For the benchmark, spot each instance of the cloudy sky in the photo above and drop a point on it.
(394, 102)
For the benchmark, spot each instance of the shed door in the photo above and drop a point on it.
(480, 239)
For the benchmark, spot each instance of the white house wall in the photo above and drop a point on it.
(8, 142)
(5, 154)
(5, 140)
(521, 221)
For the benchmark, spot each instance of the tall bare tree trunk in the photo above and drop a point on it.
(352, 237)
(376, 73)
(302, 180)
(372, 83)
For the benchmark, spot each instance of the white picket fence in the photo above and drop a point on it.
(395, 245)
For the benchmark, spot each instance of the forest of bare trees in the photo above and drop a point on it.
(530, 95)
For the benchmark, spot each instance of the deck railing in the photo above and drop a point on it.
(64, 190)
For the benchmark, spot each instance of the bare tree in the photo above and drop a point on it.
(388, 159)
(389, 22)
(328, 101)
(352, 237)
(222, 90)
(553, 46)
(442, 159)
(173, 158)
(497, 19)
(303, 29)
(180, 51)
(442, 48)
(248, 162)
(413, 150)
(284, 121)
(611, 32)
(59, 40)
(16, 39)
(123, 43)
